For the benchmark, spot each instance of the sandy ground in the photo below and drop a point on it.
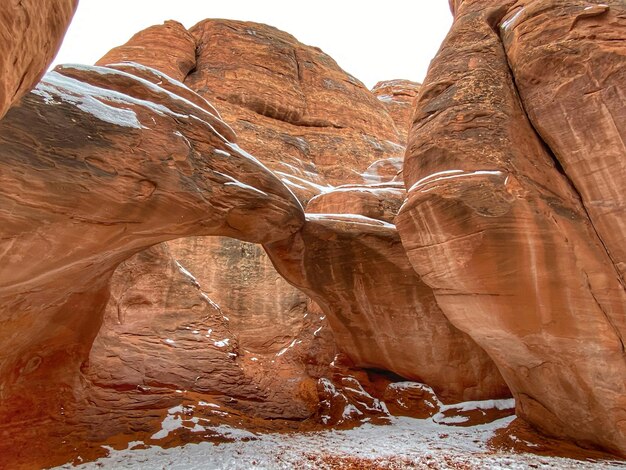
(406, 443)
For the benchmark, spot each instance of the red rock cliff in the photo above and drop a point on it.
(515, 172)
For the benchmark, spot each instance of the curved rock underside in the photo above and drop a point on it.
(356, 270)
(31, 34)
(120, 320)
(516, 221)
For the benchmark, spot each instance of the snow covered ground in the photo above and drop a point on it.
(406, 443)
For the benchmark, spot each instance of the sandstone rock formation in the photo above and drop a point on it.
(266, 312)
(168, 48)
(588, 87)
(151, 343)
(277, 62)
(290, 104)
(120, 320)
(124, 164)
(398, 96)
(30, 37)
(381, 313)
(376, 201)
(499, 221)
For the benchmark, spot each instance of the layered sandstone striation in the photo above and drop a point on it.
(290, 104)
(164, 341)
(377, 201)
(501, 218)
(564, 92)
(30, 37)
(399, 97)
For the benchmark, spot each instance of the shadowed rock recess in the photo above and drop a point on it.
(198, 234)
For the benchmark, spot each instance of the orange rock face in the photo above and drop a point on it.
(356, 270)
(539, 39)
(30, 37)
(162, 333)
(125, 164)
(238, 276)
(381, 201)
(291, 105)
(196, 320)
(500, 232)
(398, 96)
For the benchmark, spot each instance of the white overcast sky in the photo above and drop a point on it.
(371, 40)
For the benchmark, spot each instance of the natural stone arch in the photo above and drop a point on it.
(99, 164)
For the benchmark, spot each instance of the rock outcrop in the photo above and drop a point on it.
(290, 104)
(30, 36)
(381, 313)
(376, 201)
(399, 97)
(168, 48)
(98, 164)
(498, 219)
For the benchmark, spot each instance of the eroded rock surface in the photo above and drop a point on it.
(501, 234)
(30, 36)
(398, 96)
(164, 336)
(569, 63)
(198, 332)
(168, 48)
(264, 310)
(291, 105)
(376, 201)
(97, 165)
(356, 270)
